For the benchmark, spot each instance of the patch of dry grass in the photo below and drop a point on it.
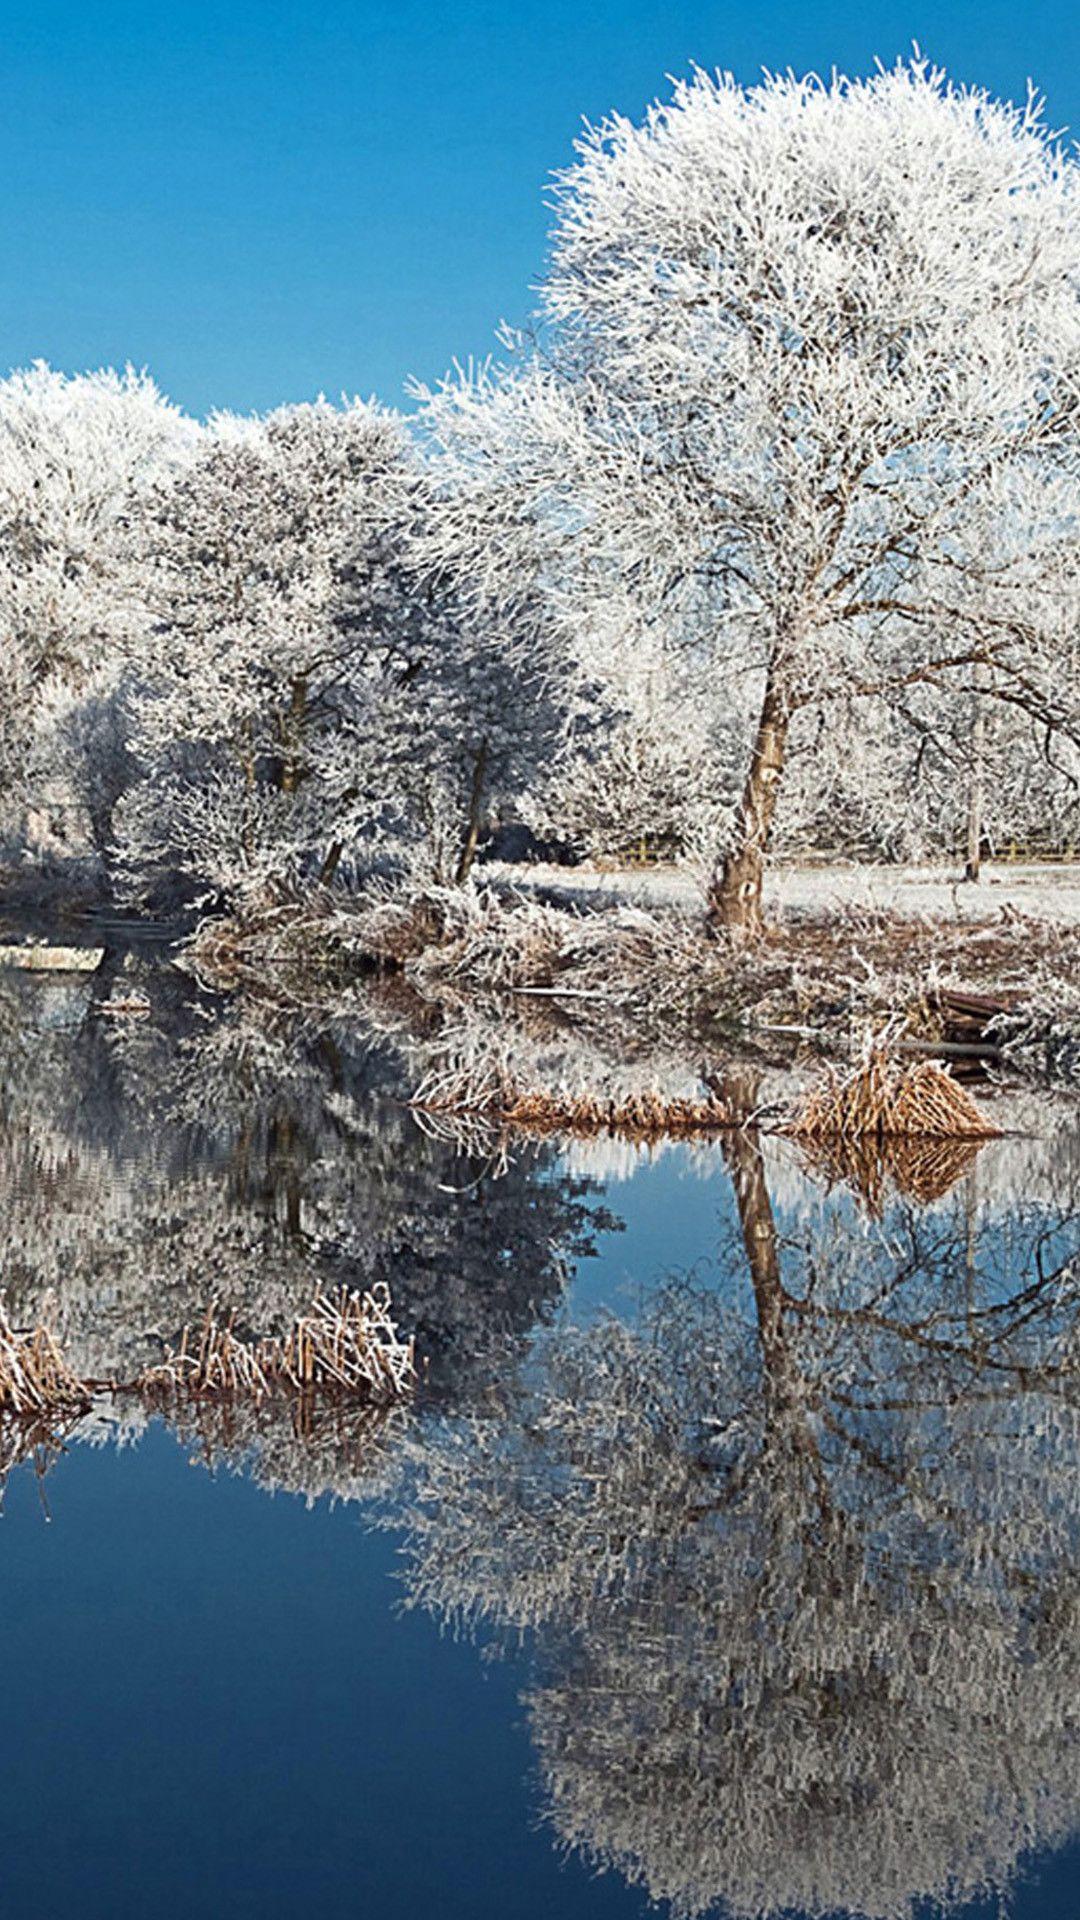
(345, 1343)
(34, 1376)
(881, 1098)
(646, 1116)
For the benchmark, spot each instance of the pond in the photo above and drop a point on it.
(725, 1559)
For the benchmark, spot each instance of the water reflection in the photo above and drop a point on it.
(794, 1546)
(149, 1167)
(799, 1550)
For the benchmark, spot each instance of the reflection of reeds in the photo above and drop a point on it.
(34, 1376)
(345, 1342)
(921, 1169)
(294, 1443)
(34, 1437)
(882, 1099)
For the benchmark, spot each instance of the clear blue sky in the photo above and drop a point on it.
(261, 201)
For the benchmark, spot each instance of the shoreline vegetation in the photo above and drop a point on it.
(881, 1119)
(345, 1345)
(1003, 991)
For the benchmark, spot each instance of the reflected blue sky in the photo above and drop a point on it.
(213, 1701)
(213, 1704)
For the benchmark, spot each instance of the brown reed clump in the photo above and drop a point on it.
(34, 1376)
(641, 1116)
(884, 1099)
(346, 1342)
(496, 1104)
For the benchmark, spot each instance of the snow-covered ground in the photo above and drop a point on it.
(1046, 892)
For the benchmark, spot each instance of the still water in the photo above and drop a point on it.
(727, 1560)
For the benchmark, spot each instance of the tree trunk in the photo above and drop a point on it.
(472, 826)
(787, 1393)
(735, 893)
(742, 1151)
(291, 732)
(330, 865)
(976, 787)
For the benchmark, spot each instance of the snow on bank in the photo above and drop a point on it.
(1040, 891)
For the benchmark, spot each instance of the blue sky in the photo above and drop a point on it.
(261, 202)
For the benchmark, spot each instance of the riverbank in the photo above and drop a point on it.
(592, 955)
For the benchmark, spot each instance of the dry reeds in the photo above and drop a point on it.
(491, 1099)
(346, 1343)
(883, 1099)
(211, 1359)
(349, 1341)
(34, 1376)
(641, 1116)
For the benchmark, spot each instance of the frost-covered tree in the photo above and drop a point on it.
(315, 692)
(807, 347)
(256, 642)
(644, 768)
(77, 454)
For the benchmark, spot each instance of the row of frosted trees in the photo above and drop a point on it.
(765, 535)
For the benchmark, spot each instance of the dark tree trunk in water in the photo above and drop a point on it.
(472, 827)
(735, 894)
(742, 1151)
(790, 1430)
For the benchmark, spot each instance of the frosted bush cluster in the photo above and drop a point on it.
(764, 538)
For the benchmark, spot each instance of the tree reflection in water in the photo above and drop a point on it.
(801, 1559)
(798, 1545)
(211, 1154)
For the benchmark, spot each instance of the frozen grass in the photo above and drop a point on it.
(1047, 891)
(651, 979)
(628, 954)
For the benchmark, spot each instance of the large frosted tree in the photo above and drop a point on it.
(804, 348)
